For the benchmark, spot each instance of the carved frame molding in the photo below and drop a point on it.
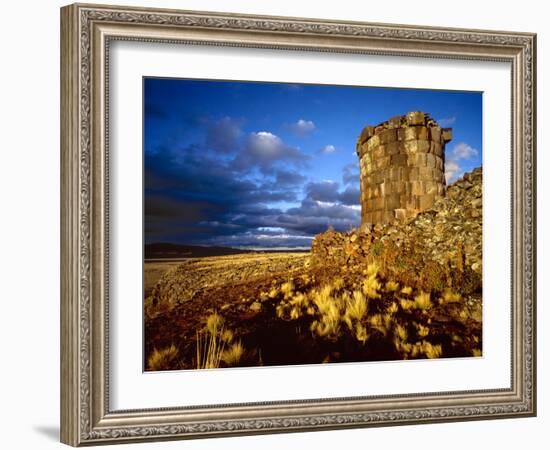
(86, 32)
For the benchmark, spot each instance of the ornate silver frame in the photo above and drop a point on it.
(86, 31)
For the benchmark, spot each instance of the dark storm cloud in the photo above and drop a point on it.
(350, 196)
(350, 173)
(200, 196)
(289, 177)
(324, 191)
(329, 191)
(224, 191)
(223, 135)
(266, 151)
(153, 111)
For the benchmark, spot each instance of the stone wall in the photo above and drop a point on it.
(448, 236)
(402, 166)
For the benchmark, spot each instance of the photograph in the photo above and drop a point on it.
(293, 224)
(291, 220)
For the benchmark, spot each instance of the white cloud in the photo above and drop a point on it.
(265, 150)
(265, 143)
(460, 152)
(302, 127)
(452, 170)
(446, 121)
(327, 149)
(463, 151)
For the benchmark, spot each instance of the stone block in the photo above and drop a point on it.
(417, 160)
(417, 146)
(431, 187)
(393, 148)
(425, 174)
(378, 203)
(366, 192)
(397, 174)
(416, 118)
(410, 202)
(417, 188)
(399, 187)
(367, 158)
(378, 152)
(399, 159)
(388, 136)
(436, 148)
(382, 162)
(401, 134)
(400, 214)
(413, 174)
(430, 160)
(446, 134)
(376, 216)
(422, 133)
(388, 216)
(366, 134)
(373, 142)
(409, 134)
(392, 202)
(394, 122)
(425, 201)
(435, 134)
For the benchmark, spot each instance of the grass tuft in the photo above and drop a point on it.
(162, 359)
(450, 297)
(233, 354)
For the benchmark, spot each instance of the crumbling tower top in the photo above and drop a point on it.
(402, 167)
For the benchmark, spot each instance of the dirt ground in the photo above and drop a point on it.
(272, 307)
(154, 270)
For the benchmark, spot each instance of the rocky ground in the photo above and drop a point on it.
(399, 291)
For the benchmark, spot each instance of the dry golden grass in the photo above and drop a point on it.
(422, 301)
(407, 290)
(233, 354)
(355, 309)
(449, 296)
(421, 330)
(329, 310)
(210, 343)
(162, 359)
(370, 284)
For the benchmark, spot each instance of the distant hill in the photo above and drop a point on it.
(163, 250)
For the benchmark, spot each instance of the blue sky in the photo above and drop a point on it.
(267, 165)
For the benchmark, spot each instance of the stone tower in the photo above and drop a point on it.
(402, 166)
